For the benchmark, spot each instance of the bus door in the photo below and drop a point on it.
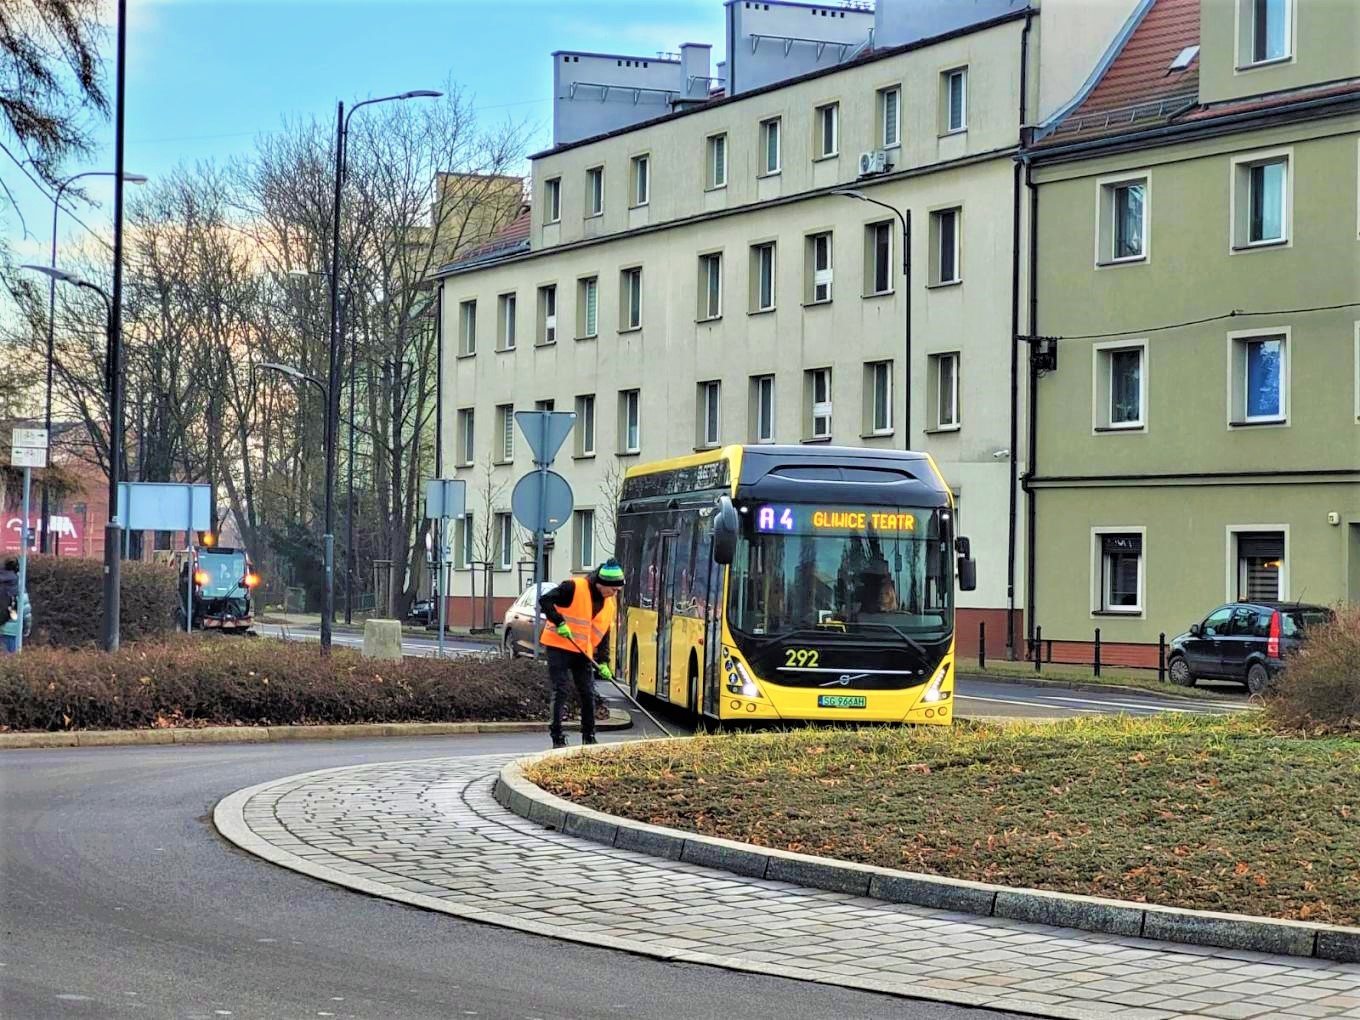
(665, 608)
(712, 638)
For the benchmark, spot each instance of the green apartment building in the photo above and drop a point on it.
(1194, 321)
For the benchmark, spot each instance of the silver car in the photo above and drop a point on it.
(517, 628)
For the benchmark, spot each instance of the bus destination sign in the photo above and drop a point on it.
(809, 519)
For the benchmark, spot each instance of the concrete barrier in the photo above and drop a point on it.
(382, 640)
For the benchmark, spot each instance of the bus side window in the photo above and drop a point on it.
(626, 551)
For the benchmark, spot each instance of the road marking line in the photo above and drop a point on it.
(1026, 704)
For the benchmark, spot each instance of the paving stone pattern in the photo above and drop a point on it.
(431, 829)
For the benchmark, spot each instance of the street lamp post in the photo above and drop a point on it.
(333, 371)
(905, 220)
(51, 333)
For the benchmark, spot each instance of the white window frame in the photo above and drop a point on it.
(1102, 385)
(548, 296)
(1239, 200)
(590, 318)
(467, 436)
(872, 279)
(938, 234)
(767, 125)
(1356, 364)
(467, 327)
(505, 426)
(827, 115)
(466, 548)
(710, 409)
(1097, 568)
(761, 260)
(552, 200)
(585, 425)
(631, 432)
(712, 271)
(509, 312)
(1245, 19)
(1238, 375)
(641, 179)
(1230, 557)
(956, 421)
(759, 385)
(714, 144)
(583, 538)
(821, 274)
(877, 369)
(893, 139)
(632, 299)
(819, 410)
(594, 191)
(505, 540)
(959, 74)
(1107, 220)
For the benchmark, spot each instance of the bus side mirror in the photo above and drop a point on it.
(967, 574)
(726, 526)
(963, 547)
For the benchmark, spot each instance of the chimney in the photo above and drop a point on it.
(694, 70)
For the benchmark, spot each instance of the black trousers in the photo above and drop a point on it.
(565, 669)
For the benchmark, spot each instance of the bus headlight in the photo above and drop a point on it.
(748, 685)
(933, 692)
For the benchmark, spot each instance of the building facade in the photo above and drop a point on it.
(1197, 414)
(694, 281)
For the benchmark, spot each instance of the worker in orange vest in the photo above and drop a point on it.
(580, 614)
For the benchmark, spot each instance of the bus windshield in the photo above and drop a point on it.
(876, 573)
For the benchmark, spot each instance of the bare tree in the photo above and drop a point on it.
(611, 489)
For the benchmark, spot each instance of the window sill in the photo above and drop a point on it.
(545, 343)
(630, 329)
(1282, 242)
(588, 336)
(502, 462)
(816, 304)
(942, 284)
(705, 447)
(595, 215)
(716, 187)
(552, 223)
(878, 294)
(884, 434)
(462, 464)
(629, 453)
(505, 350)
(1256, 65)
(825, 156)
(583, 456)
(464, 355)
(812, 440)
(640, 205)
(949, 133)
(1104, 430)
(1248, 423)
(761, 311)
(1131, 611)
(943, 429)
(769, 173)
(709, 318)
(1131, 260)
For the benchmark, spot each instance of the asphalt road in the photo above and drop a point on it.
(117, 898)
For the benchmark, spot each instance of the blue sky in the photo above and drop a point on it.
(207, 76)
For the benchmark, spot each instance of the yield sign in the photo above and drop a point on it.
(546, 431)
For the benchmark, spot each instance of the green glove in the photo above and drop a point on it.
(564, 629)
(604, 671)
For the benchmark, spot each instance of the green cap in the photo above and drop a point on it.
(610, 572)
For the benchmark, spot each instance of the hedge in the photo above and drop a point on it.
(67, 594)
(233, 681)
(1319, 689)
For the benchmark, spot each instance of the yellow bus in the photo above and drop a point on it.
(770, 583)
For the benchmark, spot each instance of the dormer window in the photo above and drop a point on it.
(1264, 31)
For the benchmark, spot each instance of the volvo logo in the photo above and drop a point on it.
(844, 680)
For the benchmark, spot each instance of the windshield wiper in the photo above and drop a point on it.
(910, 641)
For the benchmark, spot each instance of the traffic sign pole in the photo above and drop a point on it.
(28, 449)
(546, 456)
(23, 562)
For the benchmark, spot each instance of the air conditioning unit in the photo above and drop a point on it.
(873, 162)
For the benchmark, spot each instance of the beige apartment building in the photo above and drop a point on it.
(694, 280)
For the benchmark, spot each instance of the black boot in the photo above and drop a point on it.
(589, 739)
(559, 742)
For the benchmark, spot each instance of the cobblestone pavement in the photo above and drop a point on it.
(429, 833)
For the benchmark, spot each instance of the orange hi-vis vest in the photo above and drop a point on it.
(587, 632)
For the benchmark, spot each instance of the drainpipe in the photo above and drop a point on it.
(1032, 443)
(1012, 494)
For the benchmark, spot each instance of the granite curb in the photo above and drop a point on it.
(1088, 913)
(264, 734)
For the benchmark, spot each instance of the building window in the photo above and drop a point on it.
(878, 255)
(1261, 201)
(878, 398)
(467, 327)
(630, 423)
(463, 540)
(505, 541)
(630, 299)
(642, 180)
(890, 117)
(817, 269)
(954, 101)
(708, 414)
(505, 433)
(1121, 395)
(1121, 572)
(584, 533)
(588, 308)
(769, 146)
(710, 286)
(1260, 560)
(827, 120)
(716, 162)
(547, 314)
(505, 325)
(1260, 379)
(545, 405)
(1264, 31)
(1123, 220)
(762, 277)
(944, 247)
(943, 393)
(595, 191)
(467, 451)
(818, 389)
(585, 425)
(552, 200)
(762, 409)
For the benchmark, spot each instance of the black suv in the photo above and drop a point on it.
(1243, 641)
